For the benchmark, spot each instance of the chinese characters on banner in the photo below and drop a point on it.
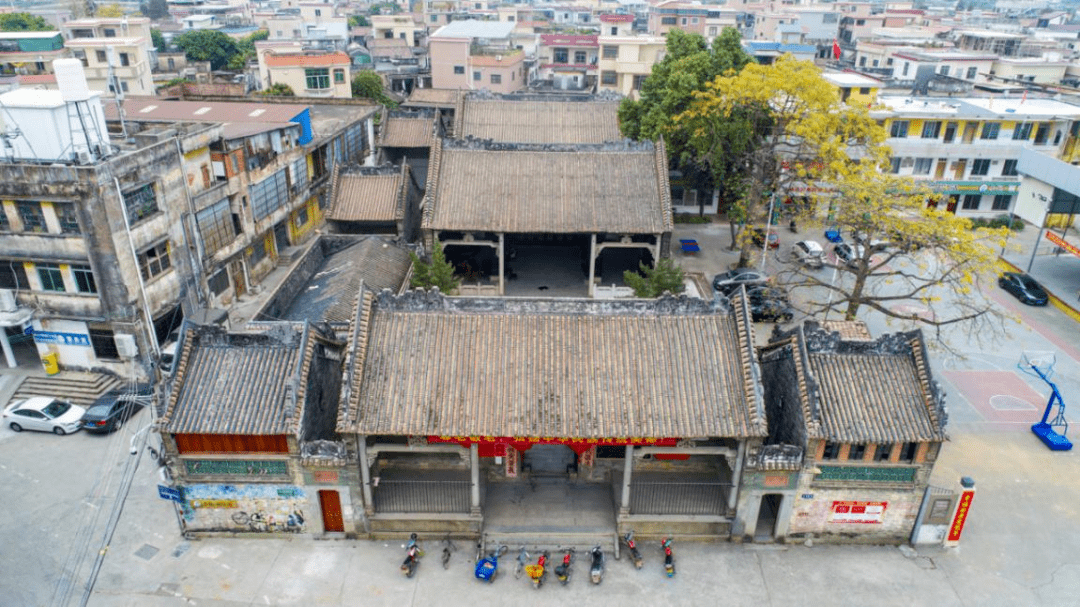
(858, 512)
(960, 517)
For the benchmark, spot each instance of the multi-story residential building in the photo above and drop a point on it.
(116, 64)
(109, 27)
(26, 53)
(855, 89)
(324, 32)
(616, 24)
(907, 64)
(999, 43)
(309, 74)
(676, 14)
(1030, 69)
(967, 149)
(401, 27)
(568, 62)
(626, 61)
(477, 55)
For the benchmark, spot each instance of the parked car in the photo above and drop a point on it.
(113, 408)
(44, 414)
(757, 236)
(1024, 288)
(849, 255)
(874, 243)
(769, 304)
(809, 253)
(728, 282)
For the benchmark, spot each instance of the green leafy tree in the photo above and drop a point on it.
(208, 45)
(23, 22)
(654, 282)
(154, 9)
(438, 273)
(158, 40)
(278, 89)
(368, 85)
(359, 21)
(245, 49)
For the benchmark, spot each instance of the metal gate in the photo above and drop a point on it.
(679, 498)
(399, 496)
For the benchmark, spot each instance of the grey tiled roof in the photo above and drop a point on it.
(538, 121)
(236, 383)
(401, 132)
(422, 364)
(446, 98)
(359, 195)
(618, 188)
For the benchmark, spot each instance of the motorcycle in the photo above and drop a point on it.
(635, 554)
(522, 561)
(488, 567)
(538, 571)
(596, 571)
(563, 571)
(669, 558)
(412, 557)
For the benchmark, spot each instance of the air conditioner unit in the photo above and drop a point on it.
(7, 300)
(125, 345)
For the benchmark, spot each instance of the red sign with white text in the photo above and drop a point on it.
(858, 512)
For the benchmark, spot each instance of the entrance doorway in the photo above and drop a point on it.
(330, 504)
(768, 515)
(549, 460)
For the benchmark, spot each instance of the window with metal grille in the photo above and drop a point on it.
(215, 225)
(84, 279)
(856, 452)
(236, 467)
(831, 451)
(339, 76)
(33, 219)
(476, 75)
(1002, 202)
(580, 57)
(51, 277)
(269, 194)
(154, 261)
(103, 341)
(611, 51)
(140, 203)
(459, 69)
(496, 78)
(907, 452)
(972, 72)
(867, 474)
(317, 78)
(13, 275)
(882, 452)
(608, 77)
(561, 55)
(67, 217)
(668, 21)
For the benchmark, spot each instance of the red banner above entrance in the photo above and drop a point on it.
(492, 446)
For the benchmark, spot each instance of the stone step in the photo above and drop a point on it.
(78, 388)
(538, 539)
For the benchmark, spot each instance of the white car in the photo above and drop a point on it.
(44, 414)
(809, 253)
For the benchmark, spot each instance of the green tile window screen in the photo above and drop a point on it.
(867, 474)
(239, 467)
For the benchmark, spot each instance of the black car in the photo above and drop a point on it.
(851, 256)
(1024, 288)
(728, 282)
(768, 304)
(113, 408)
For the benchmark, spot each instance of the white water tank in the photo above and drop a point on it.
(71, 79)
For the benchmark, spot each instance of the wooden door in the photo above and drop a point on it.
(330, 503)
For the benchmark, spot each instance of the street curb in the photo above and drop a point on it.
(1058, 303)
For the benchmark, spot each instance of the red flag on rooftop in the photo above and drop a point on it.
(835, 49)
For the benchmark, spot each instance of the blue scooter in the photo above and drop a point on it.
(488, 567)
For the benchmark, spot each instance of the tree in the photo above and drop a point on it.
(438, 273)
(654, 282)
(109, 11)
(245, 49)
(916, 263)
(158, 40)
(358, 21)
(207, 45)
(278, 89)
(154, 9)
(772, 129)
(23, 22)
(368, 85)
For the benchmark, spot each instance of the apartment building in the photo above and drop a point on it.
(477, 55)
(967, 149)
(568, 62)
(401, 27)
(28, 53)
(626, 61)
(116, 64)
(675, 14)
(309, 74)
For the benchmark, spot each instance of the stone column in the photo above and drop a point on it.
(9, 356)
(474, 466)
(365, 475)
(628, 468)
(502, 263)
(736, 476)
(592, 263)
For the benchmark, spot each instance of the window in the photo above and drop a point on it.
(684, 20)
(668, 21)
(476, 76)
(110, 33)
(907, 452)
(317, 78)
(972, 72)
(899, 128)
(300, 218)
(1042, 133)
(1022, 132)
(5, 225)
(339, 76)
(125, 60)
(215, 225)
(51, 277)
(219, 282)
(65, 215)
(609, 77)
(857, 452)
(268, 195)
(258, 250)
(980, 166)
(864, 90)
(831, 451)
(882, 452)
(101, 57)
(944, 71)
(580, 57)
(1002, 202)
(496, 79)
(84, 279)
(102, 341)
(931, 129)
(140, 203)
(894, 165)
(561, 55)
(923, 166)
(905, 70)
(434, 18)
(971, 201)
(459, 69)
(1009, 168)
(318, 13)
(33, 219)
(611, 52)
(298, 174)
(638, 81)
(13, 275)
(154, 261)
(990, 130)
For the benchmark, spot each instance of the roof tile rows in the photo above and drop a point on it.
(539, 121)
(408, 132)
(365, 197)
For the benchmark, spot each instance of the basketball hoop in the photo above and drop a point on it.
(1038, 363)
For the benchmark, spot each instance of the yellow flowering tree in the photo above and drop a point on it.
(799, 133)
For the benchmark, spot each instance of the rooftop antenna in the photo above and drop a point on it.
(114, 84)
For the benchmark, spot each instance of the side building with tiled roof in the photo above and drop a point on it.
(855, 426)
(375, 200)
(248, 431)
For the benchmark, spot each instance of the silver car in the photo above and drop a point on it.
(44, 414)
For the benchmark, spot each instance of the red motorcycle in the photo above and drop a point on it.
(669, 558)
(635, 554)
(538, 571)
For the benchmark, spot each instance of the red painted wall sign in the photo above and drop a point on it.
(960, 518)
(491, 446)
